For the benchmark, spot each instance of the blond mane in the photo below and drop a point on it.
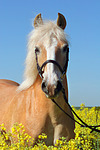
(41, 33)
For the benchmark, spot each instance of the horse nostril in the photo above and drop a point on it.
(43, 86)
(59, 86)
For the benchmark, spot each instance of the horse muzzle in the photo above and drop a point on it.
(51, 91)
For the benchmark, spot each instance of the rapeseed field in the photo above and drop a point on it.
(18, 139)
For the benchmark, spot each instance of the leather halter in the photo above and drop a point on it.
(62, 70)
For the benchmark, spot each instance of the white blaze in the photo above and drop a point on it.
(50, 75)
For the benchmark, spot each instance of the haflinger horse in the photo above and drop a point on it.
(30, 102)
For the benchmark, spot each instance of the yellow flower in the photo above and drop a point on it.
(13, 129)
(42, 136)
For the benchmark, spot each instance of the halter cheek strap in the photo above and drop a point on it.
(38, 67)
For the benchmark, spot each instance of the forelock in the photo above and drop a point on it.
(44, 32)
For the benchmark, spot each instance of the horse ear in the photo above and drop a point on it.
(38, 20)
(61, 21)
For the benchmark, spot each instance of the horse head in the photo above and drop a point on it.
(52, 53)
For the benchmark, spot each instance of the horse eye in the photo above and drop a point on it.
(65, 48)
(37, 50)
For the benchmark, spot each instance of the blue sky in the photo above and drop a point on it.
(83, 28)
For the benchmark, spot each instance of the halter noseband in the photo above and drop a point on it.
(40, 69)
